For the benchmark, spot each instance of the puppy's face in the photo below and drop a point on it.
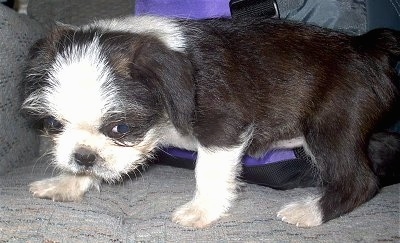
(101, 97)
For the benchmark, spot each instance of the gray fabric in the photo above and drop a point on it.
(383, 13)
(77, 12)
(18, 143)
(139, 210)
(349, 16)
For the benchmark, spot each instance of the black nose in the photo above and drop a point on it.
(85, 157)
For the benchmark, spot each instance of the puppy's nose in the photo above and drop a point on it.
(85, 157)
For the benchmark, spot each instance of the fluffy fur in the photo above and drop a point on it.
(112, 92)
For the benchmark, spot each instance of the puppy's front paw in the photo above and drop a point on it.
(56, 189)
(194, 215)
(305, 213)
(62, 188)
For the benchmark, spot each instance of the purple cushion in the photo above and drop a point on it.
(198, 9)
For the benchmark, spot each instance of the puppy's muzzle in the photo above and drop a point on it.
(85, 157)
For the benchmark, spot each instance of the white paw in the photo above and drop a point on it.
(192, 214)
(306, 213)
(61, 188)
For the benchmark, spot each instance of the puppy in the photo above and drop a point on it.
(112, 92)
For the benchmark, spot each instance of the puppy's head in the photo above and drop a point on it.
(106, 98)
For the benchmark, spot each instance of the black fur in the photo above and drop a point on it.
(290, 80)
(282, 80)
(384, 151)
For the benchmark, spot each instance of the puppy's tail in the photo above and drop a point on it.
(384, 152)
(380, 41)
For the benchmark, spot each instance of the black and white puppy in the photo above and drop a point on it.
(112, 92)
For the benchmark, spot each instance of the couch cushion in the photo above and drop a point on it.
(18, 143)
(77, 12)
(139, 210)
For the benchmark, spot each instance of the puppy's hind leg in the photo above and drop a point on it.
(347, 179)
(65, 187)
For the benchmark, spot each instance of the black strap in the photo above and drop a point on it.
(283, 175)
(254, 8)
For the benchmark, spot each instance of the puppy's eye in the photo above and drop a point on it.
(52, 125)
(119, 130)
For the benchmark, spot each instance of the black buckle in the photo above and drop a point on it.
(254, 8)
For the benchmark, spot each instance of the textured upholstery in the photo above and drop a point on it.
(139, 210)
(18, 143)
(77, 12)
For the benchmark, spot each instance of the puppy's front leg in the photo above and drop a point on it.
(216, 172)
(64, 187)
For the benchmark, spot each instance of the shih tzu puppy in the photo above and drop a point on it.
(110, 93)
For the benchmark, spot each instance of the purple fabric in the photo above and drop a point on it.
(193, 9)
(270, 157)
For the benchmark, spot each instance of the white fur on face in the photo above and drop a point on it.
(114, 161)
(80, 87)
(167, 30)
(81, 94)
(81, 90)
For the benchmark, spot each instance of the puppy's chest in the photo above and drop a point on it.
(173, 138)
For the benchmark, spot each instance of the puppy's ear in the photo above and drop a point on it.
(38, 62)
(40, 55)
(173, 78)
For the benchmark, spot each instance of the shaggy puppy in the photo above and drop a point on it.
(112, 92)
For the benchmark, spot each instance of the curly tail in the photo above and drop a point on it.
(381, 43)
(381, 40)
